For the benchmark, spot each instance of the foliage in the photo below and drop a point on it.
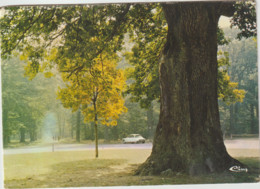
(148, 32)
(148, 45)
(243, 70)
(71, 39)
(97, 90)
(245, 19)
(227, 90)
(81, 31)
(222, 39)
(24, 102)
(86, 31)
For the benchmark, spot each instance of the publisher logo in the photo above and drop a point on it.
(238, 169)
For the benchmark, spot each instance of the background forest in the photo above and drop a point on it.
(32, 112)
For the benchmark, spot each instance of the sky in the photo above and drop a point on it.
(224, 22)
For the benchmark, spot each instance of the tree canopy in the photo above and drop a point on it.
(86, 31)
(24, 102)
(99, 86)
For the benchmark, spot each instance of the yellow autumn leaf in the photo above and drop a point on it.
(48, 74)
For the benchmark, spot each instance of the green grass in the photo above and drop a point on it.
(112, 168)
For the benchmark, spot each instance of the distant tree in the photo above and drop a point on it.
(24, 102)
(243, 70)
(245, 19)
(227, 90)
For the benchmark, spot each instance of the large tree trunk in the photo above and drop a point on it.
(188, 137)
(231, 120)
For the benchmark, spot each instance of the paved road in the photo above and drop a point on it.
(243, 143)
(230, 144)
(74, 147)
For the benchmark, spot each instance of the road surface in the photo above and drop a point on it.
(230, 144)
(74, 147)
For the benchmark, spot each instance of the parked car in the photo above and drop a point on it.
(134, 138)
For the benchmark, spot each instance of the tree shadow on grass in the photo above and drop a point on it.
(88, 172)
(253, 174)
(83, 173)
(117, 172)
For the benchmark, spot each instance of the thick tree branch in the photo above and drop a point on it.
(226, 8)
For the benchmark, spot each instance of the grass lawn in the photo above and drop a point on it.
(112, 168)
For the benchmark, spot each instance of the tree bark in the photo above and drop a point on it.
(33, 131)
(6, 139)
(96, 136)
(257, 117)
(95, 123)
(59, 123)
(32, 136)
(22, 134)
(252, 119)
(150, 121)
(78, 126)
(6, 130)
(188, 137)
(85, 132)
(231, 120)
(92, 128)
(257, 110)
